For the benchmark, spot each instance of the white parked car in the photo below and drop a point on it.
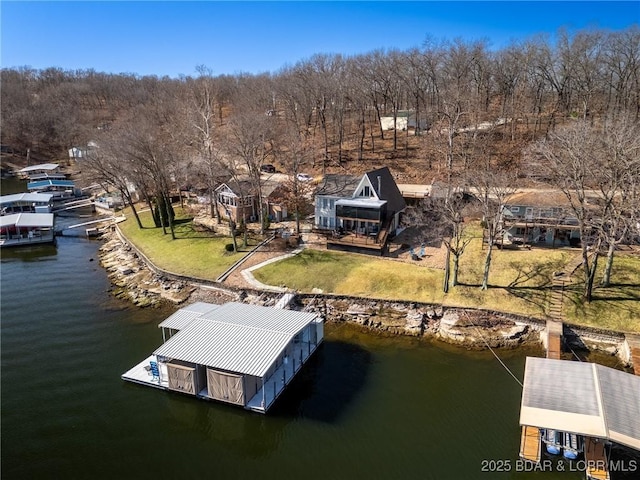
(303, 177)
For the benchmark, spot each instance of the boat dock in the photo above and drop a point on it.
(554, 339)
(530, 444)
(571, 401)
(596, 460)
(233, 353)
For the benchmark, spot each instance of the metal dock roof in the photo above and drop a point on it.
(25, 219)
(235, 337)
(583, 398)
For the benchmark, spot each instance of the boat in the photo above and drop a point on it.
(552, 442)
(571, 446)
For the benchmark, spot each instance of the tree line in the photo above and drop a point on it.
(485, 119)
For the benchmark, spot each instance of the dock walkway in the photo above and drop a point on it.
(530, 444)
(554, 337)
(596, 460)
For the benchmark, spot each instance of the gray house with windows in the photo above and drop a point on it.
(360, 213)
(539, 218)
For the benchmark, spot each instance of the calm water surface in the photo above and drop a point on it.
(364, 407)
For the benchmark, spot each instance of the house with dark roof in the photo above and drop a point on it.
(360, 213)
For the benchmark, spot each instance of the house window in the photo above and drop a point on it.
(366, 191)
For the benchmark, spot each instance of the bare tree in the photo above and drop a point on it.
(569, 155)
(492, 187)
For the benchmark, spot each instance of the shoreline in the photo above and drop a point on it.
(136, 279)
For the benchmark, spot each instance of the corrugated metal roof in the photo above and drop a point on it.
(236, 337)
(26, 197)
(186, 315)
(582, 398)
(549, 387)
(51, 183)
(27, 220)
(265, 318)
(621, 403)
(42, 166)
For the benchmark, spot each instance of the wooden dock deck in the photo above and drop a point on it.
(530, 444)
(634, 346)
(554, 337)
(596, 460)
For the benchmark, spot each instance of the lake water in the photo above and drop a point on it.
(364, 407)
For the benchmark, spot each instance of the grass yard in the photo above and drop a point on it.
(193, 253)
(519, 280)
(361, 275)
(616, 307)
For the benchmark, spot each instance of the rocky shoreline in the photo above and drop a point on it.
(135, 280)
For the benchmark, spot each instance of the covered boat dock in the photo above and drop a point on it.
(234, 353)
(26, 229)
(598, 403)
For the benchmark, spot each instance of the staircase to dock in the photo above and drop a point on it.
(556, 303)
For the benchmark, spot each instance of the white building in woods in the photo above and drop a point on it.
(404, 119)
(233, 353)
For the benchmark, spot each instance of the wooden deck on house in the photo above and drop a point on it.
(634, 347)
(554, 337)
(372, 241)
(595, 460)
(530, 444)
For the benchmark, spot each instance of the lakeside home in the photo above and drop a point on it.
(362, 213)
(234, 353)
(26, 229)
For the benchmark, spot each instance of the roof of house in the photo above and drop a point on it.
(583, 398)
(235, 337)
(338, 185)
(387, 189)
(238, 187)
(543, 198)
(25, 219)
(345, 185)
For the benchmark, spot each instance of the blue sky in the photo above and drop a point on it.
(172, 38)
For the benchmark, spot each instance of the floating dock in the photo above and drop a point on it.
(531, 444)
(234, 353)
(595, 460)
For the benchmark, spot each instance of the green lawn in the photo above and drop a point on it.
(616, 307)
(194, 253)
(347, 274)
(520, 282)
